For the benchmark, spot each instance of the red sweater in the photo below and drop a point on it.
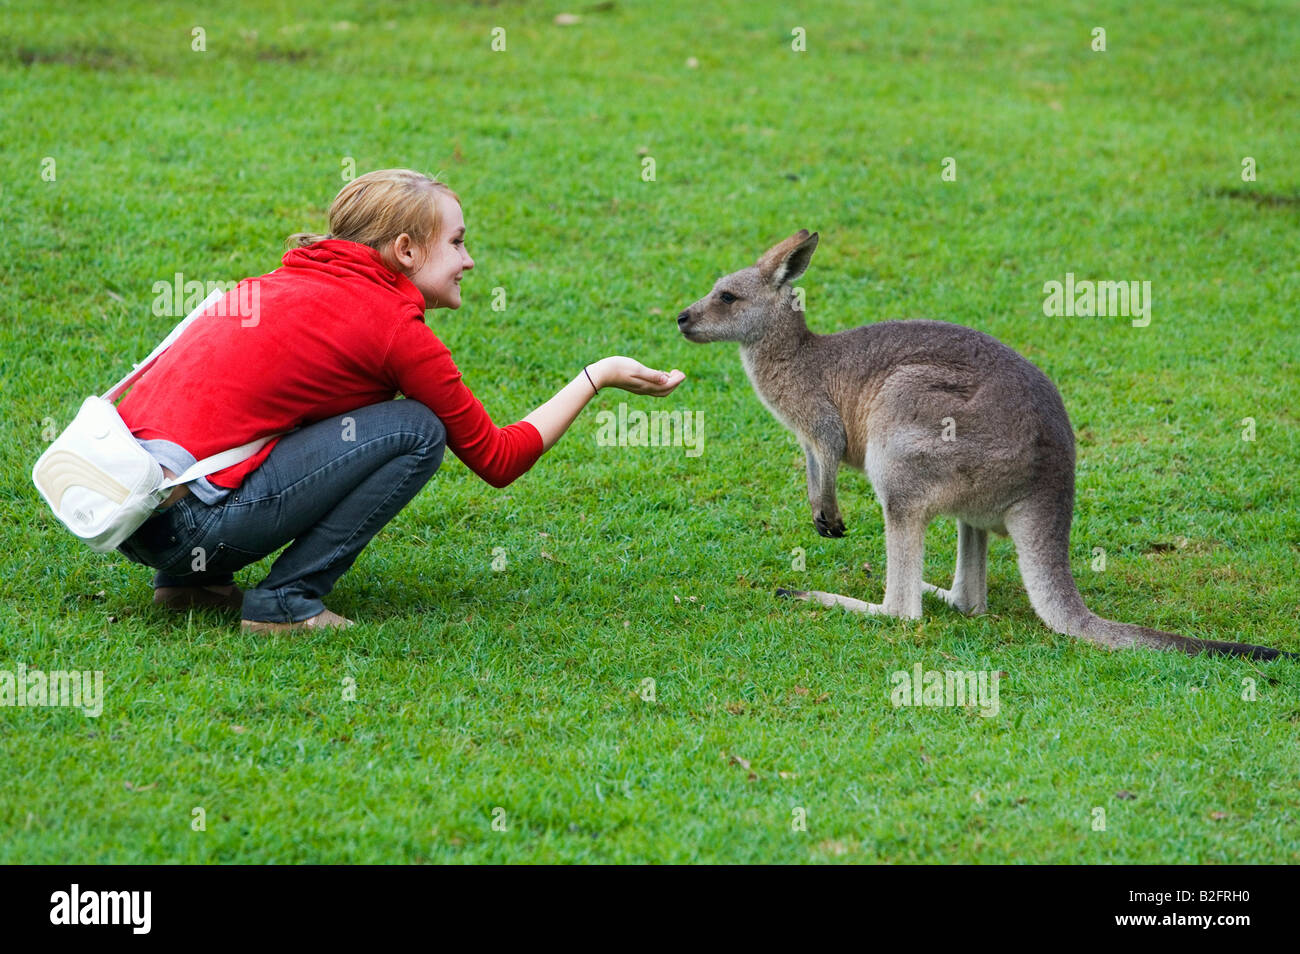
(335, 330)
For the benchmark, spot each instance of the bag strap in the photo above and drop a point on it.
(216, 462)
(113, 393)
(208, 465)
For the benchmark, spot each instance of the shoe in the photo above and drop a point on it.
(322, 620)
(188, 597)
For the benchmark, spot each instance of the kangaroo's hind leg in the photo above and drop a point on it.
(904, 553)
(969, 592)
(904, 556)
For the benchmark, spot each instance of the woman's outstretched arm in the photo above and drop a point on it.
(553, 418)
(421, 367)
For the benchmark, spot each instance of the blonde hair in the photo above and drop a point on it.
(374, 209)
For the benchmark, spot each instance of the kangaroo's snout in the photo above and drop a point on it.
(687, 325)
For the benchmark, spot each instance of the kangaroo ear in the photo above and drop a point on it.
(786, 261)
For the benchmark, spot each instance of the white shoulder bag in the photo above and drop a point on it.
(97, 478)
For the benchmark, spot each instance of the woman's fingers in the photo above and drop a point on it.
(631, 375)
(675, 377)
(657, 383)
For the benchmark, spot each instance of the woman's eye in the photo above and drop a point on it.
(727, 297)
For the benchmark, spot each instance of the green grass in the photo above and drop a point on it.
(478, 689)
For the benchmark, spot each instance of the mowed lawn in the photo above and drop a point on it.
(590, 665)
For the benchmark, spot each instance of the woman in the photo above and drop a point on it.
(327, 340)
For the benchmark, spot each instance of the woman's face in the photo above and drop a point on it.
(440, 268)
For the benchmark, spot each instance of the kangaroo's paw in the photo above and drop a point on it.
(828, 526)
(834, 599)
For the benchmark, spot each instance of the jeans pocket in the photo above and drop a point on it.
(223, 558)
(165, 538)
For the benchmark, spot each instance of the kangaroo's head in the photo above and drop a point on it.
(754, 302)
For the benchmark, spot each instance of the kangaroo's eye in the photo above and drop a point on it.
(727, 297)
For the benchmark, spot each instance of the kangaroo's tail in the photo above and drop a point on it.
(1042, 541)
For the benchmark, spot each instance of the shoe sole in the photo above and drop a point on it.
(257, 626)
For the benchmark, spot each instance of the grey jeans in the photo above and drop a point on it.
(327, 487)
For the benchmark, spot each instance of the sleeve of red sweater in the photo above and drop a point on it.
(424, 371)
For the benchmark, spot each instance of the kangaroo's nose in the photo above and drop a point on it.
(683, 318)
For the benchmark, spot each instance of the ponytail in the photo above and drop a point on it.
(299, 239)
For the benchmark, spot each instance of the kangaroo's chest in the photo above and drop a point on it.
(771, 389)
(810, 410)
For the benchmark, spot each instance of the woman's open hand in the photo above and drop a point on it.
(631, 375)
(553, 418)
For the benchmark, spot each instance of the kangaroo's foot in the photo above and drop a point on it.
(834, 599)
(957, 600)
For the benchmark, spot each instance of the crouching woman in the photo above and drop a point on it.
(332, 336)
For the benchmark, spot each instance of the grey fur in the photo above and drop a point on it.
(882, 398)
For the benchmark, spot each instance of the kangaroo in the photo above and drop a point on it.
(944, 420)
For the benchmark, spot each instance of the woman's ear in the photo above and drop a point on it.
(408, 256)
(404, 251)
